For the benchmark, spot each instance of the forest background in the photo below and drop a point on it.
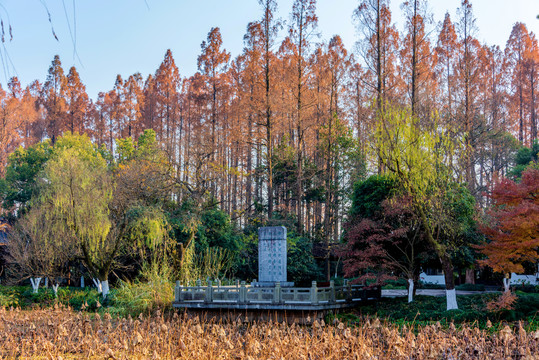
(275, 136)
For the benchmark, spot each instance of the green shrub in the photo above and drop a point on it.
(43, 298)
(24, 297)
(527, 288)
(423, 285)
(154, 291)
(79, 299)
(470, 287)
(396, 284)
(8, 300)
(433, 308)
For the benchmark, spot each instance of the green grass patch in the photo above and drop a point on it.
(24, 298)
(470, 287)
(430, 309)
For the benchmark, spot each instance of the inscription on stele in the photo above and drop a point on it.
(272, 254)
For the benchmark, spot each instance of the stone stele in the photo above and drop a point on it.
(272, 256)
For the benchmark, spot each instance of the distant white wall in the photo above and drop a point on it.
(515, 279)
(432, 279)
(523, 279)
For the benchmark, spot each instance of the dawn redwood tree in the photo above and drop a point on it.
(53, 97)
(416, 58)
(447, 51)
(466, 80)
(10, 123)
(369, 22)
(378, 49)
(167, 83)
(118, 109)
(134, 101)
(76, 102)
(212, 64)
(148, 107)
(515, 55)
(262, 44)
(511, 230)
(532, 67)
(250, 105)
(303, 26)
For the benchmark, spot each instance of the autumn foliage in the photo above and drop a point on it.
(223, 124)
(512, 229)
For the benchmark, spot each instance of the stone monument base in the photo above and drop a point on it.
(272, 283)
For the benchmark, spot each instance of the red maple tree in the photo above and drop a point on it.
(514, 229)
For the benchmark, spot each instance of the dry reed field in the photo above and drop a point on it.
(65, 334)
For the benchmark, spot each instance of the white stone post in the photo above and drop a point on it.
(209, 292)
(277, 298)
(243, 293)
(314, 293)
(332, 297)
(177, 291)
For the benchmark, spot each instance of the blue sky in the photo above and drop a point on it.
(128, 36)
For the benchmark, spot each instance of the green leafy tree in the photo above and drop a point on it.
(420, 158)
(369, 194)
(76, 182)
(142, 192)
(343, 165)
(19, 184)
(526, 157)
(301, 264)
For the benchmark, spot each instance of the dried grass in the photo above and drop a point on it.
(64, 334)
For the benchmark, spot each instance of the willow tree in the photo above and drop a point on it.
(421, 159)
(37, 250)
(78, 188)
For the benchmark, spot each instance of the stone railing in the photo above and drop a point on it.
(243, 294)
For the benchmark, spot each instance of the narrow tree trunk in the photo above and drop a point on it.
(449, 283)
(105, 288)
(98, 285)
(55, 289)
(506, 282)
(410, 290)
(35, 284)
(470, 276)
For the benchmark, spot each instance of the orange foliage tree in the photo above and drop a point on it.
(513, 231)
